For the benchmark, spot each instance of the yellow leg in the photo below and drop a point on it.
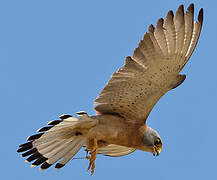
(93, 154)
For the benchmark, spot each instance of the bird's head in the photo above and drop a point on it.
(152, 141)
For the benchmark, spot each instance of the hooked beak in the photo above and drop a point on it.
(156, 150)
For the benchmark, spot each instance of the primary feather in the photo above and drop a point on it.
(154, 67)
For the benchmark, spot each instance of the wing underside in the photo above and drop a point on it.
(115, 150)
(154, 67)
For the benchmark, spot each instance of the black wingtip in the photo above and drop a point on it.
(45, 165)
(80, 113)
(43, 129)
(35, 136)
(181, 8)
(170, 13)
(25, 147)
(33, 157)
(180, 11)
(191, 8)
(58, 165)
(160, 23)
(31, 151)
(39, 161)
(200, 16)
(25, 144)
(151, 28)
(54, 122)
(65, 116)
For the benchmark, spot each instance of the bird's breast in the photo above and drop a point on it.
(116, 130)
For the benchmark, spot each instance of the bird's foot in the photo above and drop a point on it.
(92, 158)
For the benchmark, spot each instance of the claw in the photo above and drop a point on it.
(92, 158)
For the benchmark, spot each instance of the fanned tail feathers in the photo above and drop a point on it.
(59, 141)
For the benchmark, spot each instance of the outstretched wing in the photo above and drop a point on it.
(154, 67)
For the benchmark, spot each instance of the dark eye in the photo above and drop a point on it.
(157, 142)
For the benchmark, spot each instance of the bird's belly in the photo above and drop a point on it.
(116, 131)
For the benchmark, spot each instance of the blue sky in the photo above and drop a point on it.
(56, 56)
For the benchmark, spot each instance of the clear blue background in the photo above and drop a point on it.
(56, 56)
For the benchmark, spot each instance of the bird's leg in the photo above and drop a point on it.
(92, 158)
(87, 156)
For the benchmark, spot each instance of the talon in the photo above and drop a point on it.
(87, 157)
(92, 158)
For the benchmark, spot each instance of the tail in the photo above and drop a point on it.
(59, 141)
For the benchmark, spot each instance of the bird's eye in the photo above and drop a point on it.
(157, 142)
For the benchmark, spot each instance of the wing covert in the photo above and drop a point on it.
(154, 67)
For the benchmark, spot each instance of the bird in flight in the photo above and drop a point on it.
(123, 106)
